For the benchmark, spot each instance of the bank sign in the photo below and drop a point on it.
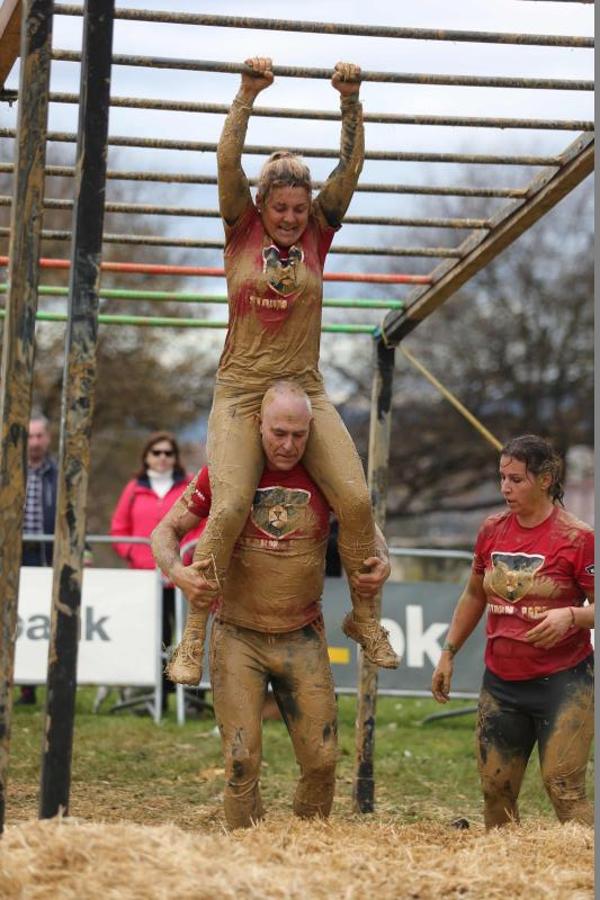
(417, 616)
(120, 631)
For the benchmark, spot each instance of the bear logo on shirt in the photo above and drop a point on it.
(278, 511)
(512, 574)
(281, 271)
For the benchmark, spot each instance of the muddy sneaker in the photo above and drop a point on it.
(185, 666)
(374, 639)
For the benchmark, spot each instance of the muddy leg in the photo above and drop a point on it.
(565, 740)
(235, 460)
(239, 685)
(304, 692)
(332, 460)
(504, 738)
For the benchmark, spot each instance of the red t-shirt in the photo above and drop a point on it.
(527, 572)
(275, 299)
(275, 578)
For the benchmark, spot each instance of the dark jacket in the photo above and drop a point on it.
(38, 553)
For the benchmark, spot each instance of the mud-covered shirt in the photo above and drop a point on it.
(275, 578)
(527, 572)
(275, 299)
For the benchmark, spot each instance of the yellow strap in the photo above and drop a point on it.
(474, 421)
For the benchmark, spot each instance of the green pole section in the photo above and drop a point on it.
(171, 322)
(185, 297)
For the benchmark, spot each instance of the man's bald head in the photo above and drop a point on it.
(288, 393)
(285, 418)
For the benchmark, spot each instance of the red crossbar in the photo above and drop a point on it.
(213, 272)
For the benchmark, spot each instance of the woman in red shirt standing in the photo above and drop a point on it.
(533, 568)
(156, 486)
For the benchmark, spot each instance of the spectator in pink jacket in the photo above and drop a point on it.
(159, 482)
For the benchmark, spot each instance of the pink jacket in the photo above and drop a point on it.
(138, 512)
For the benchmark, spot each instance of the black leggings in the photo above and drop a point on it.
(557, 711)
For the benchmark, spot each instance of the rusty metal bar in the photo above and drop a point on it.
(16, 376)
(344, 28)
(312, 152)
(379, 450)
(479, 249)
(333, 116)
(77, 407)
(150, 240)
(179, 178)
(193, 211)
(424, 78)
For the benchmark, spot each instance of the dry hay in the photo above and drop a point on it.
(288, 858)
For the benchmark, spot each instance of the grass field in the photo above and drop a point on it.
(125, 768)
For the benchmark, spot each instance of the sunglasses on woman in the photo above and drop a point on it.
(162, 453)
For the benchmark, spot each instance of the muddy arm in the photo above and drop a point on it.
(336, 194)
(234, 190)
(468, 612)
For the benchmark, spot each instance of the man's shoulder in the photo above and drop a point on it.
(50, 467)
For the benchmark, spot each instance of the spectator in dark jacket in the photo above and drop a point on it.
(40, 507)
(40, 501)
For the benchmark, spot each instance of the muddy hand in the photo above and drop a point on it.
(196, 584)
(260, 76)
(551, 629)
(441, 679)
(346, 78)
(367, 584)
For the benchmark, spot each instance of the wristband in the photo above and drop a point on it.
(452, 649)
(572, 611)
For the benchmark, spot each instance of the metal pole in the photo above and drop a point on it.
(19, 335)
(172, 322)
(379, 450)
(77, 406)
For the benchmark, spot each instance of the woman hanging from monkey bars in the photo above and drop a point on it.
(275, 251)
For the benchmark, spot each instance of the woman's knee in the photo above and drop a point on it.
(568, 796)
(352, 506)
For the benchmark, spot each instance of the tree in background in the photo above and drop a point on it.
(515, 346)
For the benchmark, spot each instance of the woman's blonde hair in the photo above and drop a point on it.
(283, 169)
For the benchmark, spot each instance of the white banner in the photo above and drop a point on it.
(120, 627)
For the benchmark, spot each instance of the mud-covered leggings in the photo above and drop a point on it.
(236, 462)
(242, 664)
(558, 712)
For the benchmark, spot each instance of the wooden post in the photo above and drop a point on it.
(77, 406)
(379, 451)
(16, 377)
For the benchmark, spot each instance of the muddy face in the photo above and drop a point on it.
(284, 213)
